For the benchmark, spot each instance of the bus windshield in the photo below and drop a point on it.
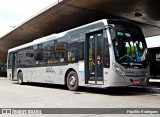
(129, 45)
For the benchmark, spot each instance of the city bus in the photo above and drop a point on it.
(105, 53)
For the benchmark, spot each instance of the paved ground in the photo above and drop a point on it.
(13, 95)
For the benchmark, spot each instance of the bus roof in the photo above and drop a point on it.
(37, 41)
(55, 36)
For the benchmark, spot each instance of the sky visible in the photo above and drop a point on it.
(15, 12)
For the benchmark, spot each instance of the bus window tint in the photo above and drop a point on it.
(61, 50)
(51, 52)
(29, 57)
(75, 49)
(10, 61)
(47, 52)
(20, 57)
(38, 53)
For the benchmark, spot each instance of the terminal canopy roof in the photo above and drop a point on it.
(67, 14)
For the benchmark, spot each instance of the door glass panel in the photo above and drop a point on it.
(95, 56)
(99, 55)
(92, 56)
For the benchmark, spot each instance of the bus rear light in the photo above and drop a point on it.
(91, 73)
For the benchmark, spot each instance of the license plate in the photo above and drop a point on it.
(136, 81)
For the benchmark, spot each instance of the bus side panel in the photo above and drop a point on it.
(62, 70)
(52, 74)
(46, 74)
(106, 76)
(117, 79)
(9, 73)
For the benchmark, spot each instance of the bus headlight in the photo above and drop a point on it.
(119, 70)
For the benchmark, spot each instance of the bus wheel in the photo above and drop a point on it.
(20, 78)
(72, 81)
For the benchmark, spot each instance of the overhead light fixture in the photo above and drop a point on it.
(137, 14)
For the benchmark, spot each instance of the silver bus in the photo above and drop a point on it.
(105, 53)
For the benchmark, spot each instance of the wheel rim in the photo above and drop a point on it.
(72, 80)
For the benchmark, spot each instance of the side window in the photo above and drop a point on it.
(29, 57)
(48, 52)
(21, 57)
(54, 51)
(10, 60)
(38, 53)
(76, 48)
(61, 50)
(51, 52)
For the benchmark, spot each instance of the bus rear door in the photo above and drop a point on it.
(14, 65)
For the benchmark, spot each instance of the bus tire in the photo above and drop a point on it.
(72, 81)
(20, 78)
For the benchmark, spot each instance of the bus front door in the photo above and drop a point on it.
(94, 58)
